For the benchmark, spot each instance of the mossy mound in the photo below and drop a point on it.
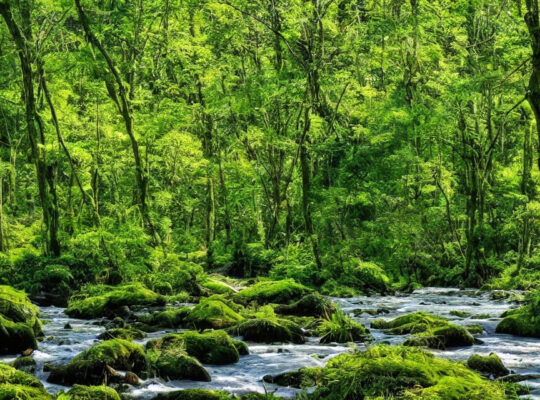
(411, 323)
(490, 365)
(214, 347)
(311, 305)
(301, 379)
(523, 321)
(442, 337)
(193, 394)
(213, 312)
(341, 329)
(110, 301)
(93, 366)
(365, 276)
(280, 292)
(15, 384)
(460, 314)
(79, 392)
(25, 363)
(269, 330)
(19, 322)
(168, 319)
(216, 286)
(402, 373)
(174, 363)
(122, 333)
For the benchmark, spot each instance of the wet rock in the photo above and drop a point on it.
(442, 338)
(131, 379)
(25, 364)
(68, 326)
(490, 365)
(79, 392)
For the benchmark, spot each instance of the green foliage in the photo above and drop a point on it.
(340, 328)
(281, 292)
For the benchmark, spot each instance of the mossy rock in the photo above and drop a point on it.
(475, 329)
(490, 365)
(194, 394)
(242, 347)
(110, 301)
(79, 392)
(217, 287)
(25, 364)
(213, 313)
(19, 385)
(301, 379)
(341, 329)
(279, 292)
(442, 337)
(175, 363)
(214, 347)
(269, 330)
(18, 392)
(169, 319)
(92, 366)
(520, 322)
(311, 305)
(122, 333)
(402, 373)
(411, 323)
(460, 314)
(19, 321)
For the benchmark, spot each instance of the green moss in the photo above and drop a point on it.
(340, 328)
(335, 289)
(523, 321)
(123, 333)
(217, 287)
(442, 337)
(280, 292)
(400, 372)
(18, 392)
(214, 347)
(194, 394)
(103, 301)
(25, 363)
(79, 392)
(365, 276)
(460, 314)
(92, 365)
(269, 330)
(213, 313)
(410, 323)
(13, 376)
(19, 322)
(175, 363)
(242, 347)
(475, 329)
(302, 379)
(490, 365)
(313, 305)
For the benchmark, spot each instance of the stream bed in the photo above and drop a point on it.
(520, 355)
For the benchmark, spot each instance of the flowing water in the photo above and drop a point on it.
(521, 355)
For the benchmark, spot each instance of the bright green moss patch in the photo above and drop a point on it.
(460, 314)
(213, 313)
(410, 323)
(365, 276)
(402, 373)
(174, 363)
(25, 363)
(79, 392)
(523, 321)
(279, 292)
(311, 305)
(269, 330)
(9, 374)
(302, 379)
(442, 337)
(122, 333)
(15, 385)
(19, 322)
(490, 365)
(102, 301)
(340, 328)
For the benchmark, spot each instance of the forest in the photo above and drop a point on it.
(269, 199)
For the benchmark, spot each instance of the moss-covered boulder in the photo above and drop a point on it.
(311, 305)
(213, 347)
(216, 286)
(280, 292)
(301, 379)
(194, 394)
(128, 333)
(79, 392)
(167, 319)
(339, 328)
(269, 330)
(365, 276)
(411, 323)
(25, 363)
(18, 385)
(110, 301)
(523, 321)
(442, 337)
(213, 312)
(19, 321)
(172, 363)
(402, 373)
(490, 365)
(96, 365)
